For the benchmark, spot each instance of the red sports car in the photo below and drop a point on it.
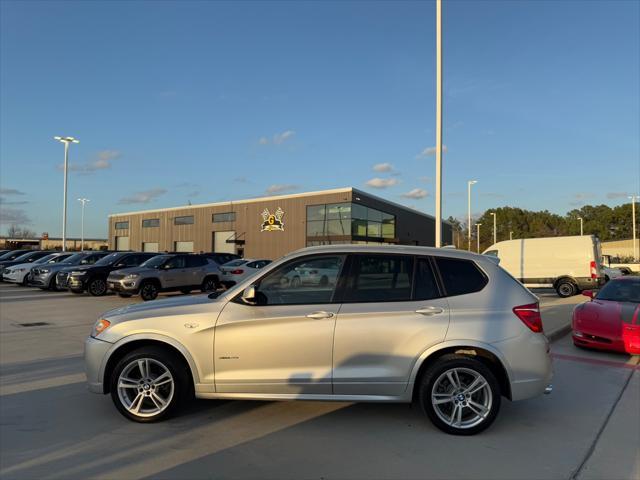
(611, 320)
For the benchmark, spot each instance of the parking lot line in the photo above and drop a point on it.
(597, 361)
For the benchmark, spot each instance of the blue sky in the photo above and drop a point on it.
(212, 101)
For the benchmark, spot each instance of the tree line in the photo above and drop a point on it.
(605, 222)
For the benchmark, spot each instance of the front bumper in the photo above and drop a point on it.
(76, 283)
(126, 285)
(41, 280)
(13, 277)
(95, 355)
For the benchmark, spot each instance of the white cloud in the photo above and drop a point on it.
(416, 193)
(280, 188)
(10, 191)
(101, 161)
(263, 141)
(429, 151)
(14, 216)
(614, 195)
(424, 179)
(382, 182)
(278, 138)
(146, 196)
(383, 167)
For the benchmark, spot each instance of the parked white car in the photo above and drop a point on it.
(610, 273)
(20, 273)
(238, 270)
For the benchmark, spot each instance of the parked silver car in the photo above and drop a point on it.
(448, 329)
(237, 271)
(45, 276)
(21, 273)
(165, 273)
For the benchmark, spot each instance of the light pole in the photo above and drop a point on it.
(478, 235)
(469, 183)
(83, 201)
(633, 223)
(438, 192)
(495, 232)
(510, 235)
(581, 223)
(66, 141)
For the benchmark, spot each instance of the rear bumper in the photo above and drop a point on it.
(585, 340)
(95, 354)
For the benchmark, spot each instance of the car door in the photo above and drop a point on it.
(175, 272)
(392, 311)
(283, 343)
(195, 270)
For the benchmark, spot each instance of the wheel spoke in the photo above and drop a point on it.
(455, 381)
(440, 401)
(478, 384)
(143, 366)
(482, 409)
(137, 403)
(162, 379)
(453, 414)
(157, 400)
(127, 383)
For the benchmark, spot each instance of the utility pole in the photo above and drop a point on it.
(581, 223)
(438, 192)
(636, 255)
(469, 183)
(510, 235)
(83, 201)
(478, 235)
(495, 232)
(66, 141)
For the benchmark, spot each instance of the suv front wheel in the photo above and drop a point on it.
(460, 395)
(149, 291)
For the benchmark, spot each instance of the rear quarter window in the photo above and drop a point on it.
(460, 276)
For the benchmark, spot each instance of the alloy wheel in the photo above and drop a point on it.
(97, 287)
(145, 387)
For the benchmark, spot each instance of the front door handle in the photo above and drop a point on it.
(320, 315)
(429, 310)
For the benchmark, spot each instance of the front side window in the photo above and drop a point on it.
(151, 222)
(380, 278)
(176, 262)
(305, 281)
(187, 220)
(122, 225)
(460, 276)
(224, 217)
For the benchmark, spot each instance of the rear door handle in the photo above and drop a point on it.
(320, 315)
(429, 310)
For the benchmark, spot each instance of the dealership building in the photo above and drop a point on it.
(270, 227)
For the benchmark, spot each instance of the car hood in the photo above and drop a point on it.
(603, 318)
(138, 270)
(20, 265)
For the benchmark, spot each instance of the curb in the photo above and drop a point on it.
(558, 333)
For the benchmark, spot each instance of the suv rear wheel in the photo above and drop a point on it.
(209, 284)
(149, 291)
(460, 395)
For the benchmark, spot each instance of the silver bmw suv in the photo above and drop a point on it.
(449, 330)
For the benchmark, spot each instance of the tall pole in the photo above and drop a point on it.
(495, 233)
(478, 235)
(66, 141)
(510, 235)
(581, 228)
(633, 222)
(438, 242)
(469, 183)
(83, 201)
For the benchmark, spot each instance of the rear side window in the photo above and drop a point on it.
(380, 278)
(194, 261)
(426, 287)
(460, 276)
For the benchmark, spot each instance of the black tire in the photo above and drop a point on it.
(181, 388)
(209, 284)
(25, 280)
(97, 287)
(606, 278)
(566, 288)
(489, 395)
(53, 285)
(149, 290)
(124, 295)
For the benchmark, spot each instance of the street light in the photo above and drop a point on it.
(478, 235)
(438, 192)
(83, 201)
(66, 141)
(581, 223)
(469, 183)
(633, 222)
(495, 233)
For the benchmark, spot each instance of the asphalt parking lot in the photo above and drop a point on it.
(51, 427)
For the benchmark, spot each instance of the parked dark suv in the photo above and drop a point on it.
(93, 278)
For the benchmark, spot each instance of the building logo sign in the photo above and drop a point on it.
(272, 221)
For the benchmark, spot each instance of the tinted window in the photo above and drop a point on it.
(151, 222)
(194, 261)
(460, 276)
(426, 287)
(258, 264)
(188, 220)
(306, 281)
(491, 253)
(130, 261)
(235, 263)
(109, 259)
(122, 225)
(379, 278)
(177, 262)
(224, 217)
(621, 291)
(91, 259)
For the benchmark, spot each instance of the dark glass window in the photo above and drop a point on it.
(187, 220)
(426, 287)
(315, 212)
(338, 211)
(305, 281)
(460, 276)
(194, 261)
(358, 211)
(316, 229)
(380, 278)
(224, 217)
(122, 225)
(151, 222)
(339, 227)
(179, 261)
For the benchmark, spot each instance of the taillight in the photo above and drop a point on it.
(530, 316)
(594, 270)
(238, 271)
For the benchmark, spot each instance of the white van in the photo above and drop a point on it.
(568, 264)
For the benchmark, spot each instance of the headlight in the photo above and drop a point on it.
(78, 274)
(100, 326)
(44, 270)
(20, 269)
(132, 275)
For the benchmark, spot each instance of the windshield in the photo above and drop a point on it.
(621, 291)
(45, 259)
(235, 263)
(109, 259)
(75, 258)
(24, 256)
(13, 255)
(156, 262)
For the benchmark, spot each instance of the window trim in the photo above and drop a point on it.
(142, 225)
(213, 217)
(115, 225)
(192, 217)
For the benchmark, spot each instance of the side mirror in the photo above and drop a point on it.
(588, 293)
(249, 295)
